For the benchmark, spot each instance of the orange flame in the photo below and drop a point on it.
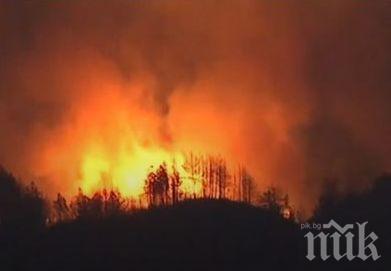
(112, 144)
(127, 170)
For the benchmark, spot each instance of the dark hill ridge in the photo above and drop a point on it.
(197, 233)
(191, 235)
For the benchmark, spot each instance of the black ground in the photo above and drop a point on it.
(196, 235)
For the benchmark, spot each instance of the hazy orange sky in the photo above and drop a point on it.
(298, 91)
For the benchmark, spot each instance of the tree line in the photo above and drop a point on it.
(209, 176)
(25, 205)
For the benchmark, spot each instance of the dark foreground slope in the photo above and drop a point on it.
(197, 235)
(202, 235)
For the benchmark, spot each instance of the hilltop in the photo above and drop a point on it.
(204, 234)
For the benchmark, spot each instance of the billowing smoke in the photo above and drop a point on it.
(298, 91)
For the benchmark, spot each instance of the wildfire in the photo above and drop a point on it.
(127, 170)
(112, 144)
(118, 140)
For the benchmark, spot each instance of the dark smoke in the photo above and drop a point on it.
(297, 90)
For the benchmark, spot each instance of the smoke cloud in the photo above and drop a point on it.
(298, 91)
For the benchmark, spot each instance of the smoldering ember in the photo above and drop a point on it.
(204, 135)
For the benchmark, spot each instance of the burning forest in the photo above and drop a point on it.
(200, 177)
(169, 111)
(87, 99)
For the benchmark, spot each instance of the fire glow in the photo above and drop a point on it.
(90, 102)
(128, 169)
(110, 149)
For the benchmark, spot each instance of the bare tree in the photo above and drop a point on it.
(115, 204)
(157, 186)
(79, 205)
(175, 184)
(61, 209)
(274, 200)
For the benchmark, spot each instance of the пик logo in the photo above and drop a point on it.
(365, 243)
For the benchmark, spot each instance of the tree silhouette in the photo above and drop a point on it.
(157, 186)
(275, 201)
(245, 185)
(34, 206)
(115, 204)
(175, 184)
(10, 199)
(21, 208)
(80, 206)
(61, 209)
